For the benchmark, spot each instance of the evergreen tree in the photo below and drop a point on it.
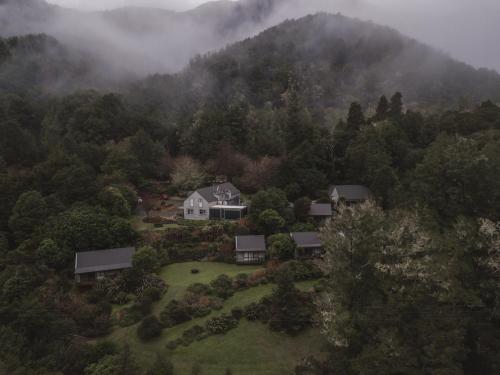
(29, 212)
(355, 118)
(382, 109)
(396, 107)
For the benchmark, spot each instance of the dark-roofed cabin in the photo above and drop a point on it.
(308, 245)
(321, 210)
(349, 194)
(217, 202)
(250, 249)
(91, 266)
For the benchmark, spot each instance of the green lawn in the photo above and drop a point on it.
(249, 349)
(178, 277)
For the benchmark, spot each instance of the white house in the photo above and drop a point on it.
(217, 202)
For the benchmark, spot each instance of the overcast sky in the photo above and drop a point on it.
(466, 29)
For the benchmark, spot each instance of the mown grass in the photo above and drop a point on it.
(249, 349)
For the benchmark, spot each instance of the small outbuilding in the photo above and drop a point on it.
(91, 266)
(321, 210)
(349, 194)
(250, 249)
(308, 245)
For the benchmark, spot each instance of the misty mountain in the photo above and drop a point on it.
(335, 60)
(141, 40)
(41, 63)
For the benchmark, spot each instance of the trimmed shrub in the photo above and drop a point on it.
(195, 333)
(237, 313)
(149, 328)
(301, 271)
(176, 312)
(153, 293)
(257, 311)
(172, 345)
(221, 324)
(199, 289)
(222, 286)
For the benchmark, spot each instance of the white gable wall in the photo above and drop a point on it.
(196, 207)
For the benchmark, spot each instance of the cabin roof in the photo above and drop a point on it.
(321, 209)
(307, 239)
(103, 260)
(250, 243)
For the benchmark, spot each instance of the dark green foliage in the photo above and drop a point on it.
(221, 324)
(270, 222)
(149, 328)
(257, 311)
(123, 363)
(302, 270)
(281, 246)
(176, 312)
(290, 310)
(222, 286)
(162, 366)
(301, 208)
(271, 199)
(52, 255)
(29, 213)
(145, 260)
(87, 228)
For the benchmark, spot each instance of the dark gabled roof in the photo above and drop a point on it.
(104, 260)
(321, 209)
(209, 192)
(250, 243)
(307, 239)
(352, 192)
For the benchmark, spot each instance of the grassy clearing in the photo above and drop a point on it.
(249, 349)
(178, 277)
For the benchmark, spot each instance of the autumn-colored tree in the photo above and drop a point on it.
(188, 174)
(259, 174)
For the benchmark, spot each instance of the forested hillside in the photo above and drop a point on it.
(336, 60)
(408, 282)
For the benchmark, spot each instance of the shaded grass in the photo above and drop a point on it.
(249, 349)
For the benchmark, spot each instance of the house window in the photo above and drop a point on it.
(191, 203)
(203, 212)
(200, 203)
(190, 211)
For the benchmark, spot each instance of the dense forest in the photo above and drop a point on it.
(412, 279)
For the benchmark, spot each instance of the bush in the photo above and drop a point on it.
(241, 281)
(153, 293)
(221, 324)
(237, 313)
(223, 286)
(176, 312)
(199, 289)
(257, 311)
(149, 328)
(172, 345)
(301, 271)
(143, 305)
(128, 317)
(194, 333)
(200, 311)
(281, 246)
(195, 271)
